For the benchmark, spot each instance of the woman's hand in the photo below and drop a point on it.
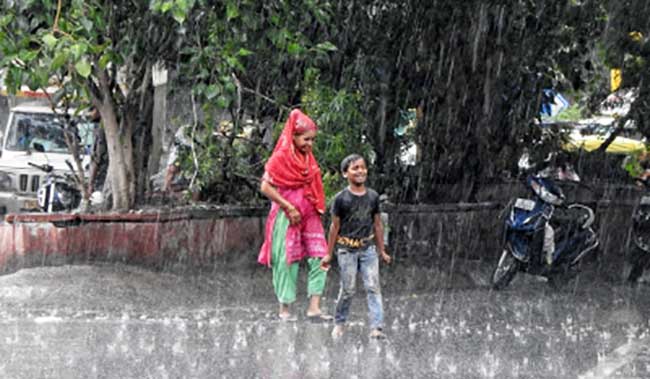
(293, 214)
(272, 193)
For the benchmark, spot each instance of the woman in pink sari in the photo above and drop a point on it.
(292, 180)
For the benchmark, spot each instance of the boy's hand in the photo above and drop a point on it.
(326, 263)
(385, 257)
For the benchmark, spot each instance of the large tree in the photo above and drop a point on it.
(98, 54)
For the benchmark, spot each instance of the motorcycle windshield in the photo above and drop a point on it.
(546, 190)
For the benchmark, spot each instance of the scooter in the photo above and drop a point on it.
(58, 192)
(524, 232)
(639, 245)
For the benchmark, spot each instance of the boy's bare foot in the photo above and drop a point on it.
(338, 330)
(377, 334)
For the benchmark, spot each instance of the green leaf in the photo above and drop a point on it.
(166, 6)
(326, 46)
(41, 78)
(199, 88)
(182, 4)
(244, 52)
(179, 15)
(104, 60)
(223, 101)
(59, 60)
(83, 68)
(231, 11)
(211, 91)
(6, 20)
(233, 62)
(87, 24)
(50, 40)
(78, 50)
(28, 55)
(230, 87)
(13, 79)
(294, 48)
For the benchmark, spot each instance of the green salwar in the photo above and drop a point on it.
(285, 277)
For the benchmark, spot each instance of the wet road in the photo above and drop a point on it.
(117, 321)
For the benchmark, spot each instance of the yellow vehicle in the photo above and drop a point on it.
(620, 145)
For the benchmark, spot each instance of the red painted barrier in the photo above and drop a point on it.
(158, 239)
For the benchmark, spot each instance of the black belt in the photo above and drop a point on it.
(354, 242)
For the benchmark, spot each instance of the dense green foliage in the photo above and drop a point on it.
(471, 71)
(342, 129)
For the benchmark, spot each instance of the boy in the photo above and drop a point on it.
(358, 236)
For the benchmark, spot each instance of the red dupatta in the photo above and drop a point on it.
(291, 169)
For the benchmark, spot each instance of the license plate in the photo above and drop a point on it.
(645, 200)
(525, 204)
(30, 204)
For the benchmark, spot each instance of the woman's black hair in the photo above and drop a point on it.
(347, 161)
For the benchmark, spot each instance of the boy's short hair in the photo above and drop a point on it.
(345, 163)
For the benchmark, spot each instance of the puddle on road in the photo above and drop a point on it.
(126, 322)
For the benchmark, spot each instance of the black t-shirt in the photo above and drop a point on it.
(356, 212)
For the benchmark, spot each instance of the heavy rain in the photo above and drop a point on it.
(194, 189)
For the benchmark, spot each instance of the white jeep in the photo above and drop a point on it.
(27, 125)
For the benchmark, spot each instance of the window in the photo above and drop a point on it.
(45, 129)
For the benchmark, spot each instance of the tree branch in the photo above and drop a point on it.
(194, 157)
(55, 28)
(241, 88)
(58, 14)
(620, 124)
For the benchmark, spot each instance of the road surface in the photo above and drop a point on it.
(118, 321)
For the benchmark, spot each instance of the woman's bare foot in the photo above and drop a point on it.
(284, 313)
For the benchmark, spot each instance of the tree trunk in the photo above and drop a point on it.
(157, 130)
(120, 158)
(142, 125)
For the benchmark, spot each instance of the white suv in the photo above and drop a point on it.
(30, 124)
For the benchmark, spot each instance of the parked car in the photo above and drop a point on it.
(27, 125)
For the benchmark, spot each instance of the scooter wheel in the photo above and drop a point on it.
(637, 261)
(505, 271)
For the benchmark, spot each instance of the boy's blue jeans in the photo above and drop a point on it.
(365, 261)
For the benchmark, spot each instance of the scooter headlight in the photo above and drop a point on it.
(64, 198)
(5, 182)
